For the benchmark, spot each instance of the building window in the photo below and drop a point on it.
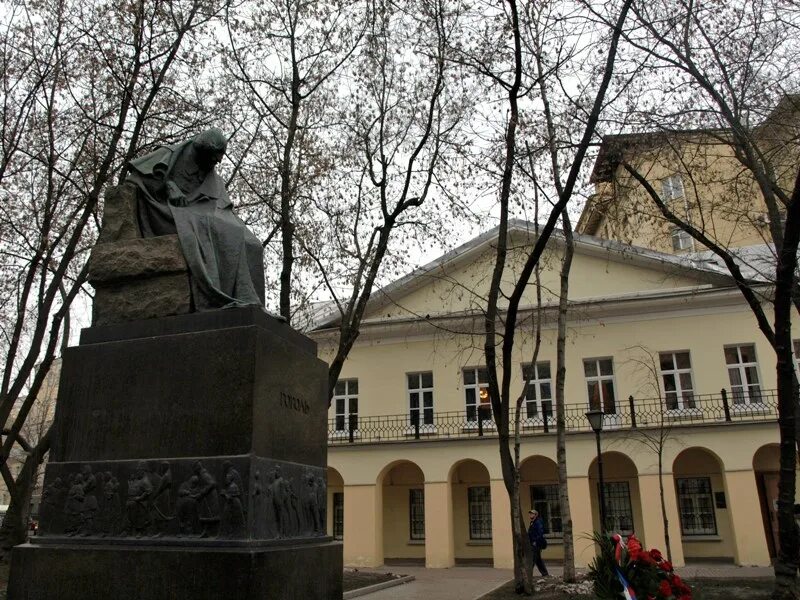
(600, 384)
(671, 187)
(743, 374)
(539, 394)
(338, 515)
(676, 375)
(476, 390)
(619, 515)
(420, 397)
(416, 514)
(696, 505)
(544, 500)
(480, 513)
(681, 240)
(345, 399)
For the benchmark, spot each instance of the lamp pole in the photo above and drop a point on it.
(595, 418)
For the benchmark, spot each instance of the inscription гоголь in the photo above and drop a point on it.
(289, 401)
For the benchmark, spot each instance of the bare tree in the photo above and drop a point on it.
(723, 69)
(286, 55)
(506, 65)
(404, 116)
(93, 82)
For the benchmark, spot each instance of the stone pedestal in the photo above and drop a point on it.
(188, 461)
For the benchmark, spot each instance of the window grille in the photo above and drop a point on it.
(416, 514)
(480, 513)
(544, 500)
(619, 515)
(696, 505)
(338, 515)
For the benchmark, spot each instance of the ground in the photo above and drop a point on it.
(703, 589)
(354, 579)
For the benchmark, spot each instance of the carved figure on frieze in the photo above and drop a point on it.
(268, 508)
(207, 499)
(160, 500)
(73, 508)
(232, 520)
(53, 497)
(298, 523)
(137, 513)
(187, 507)
(322, 502)
(312, 503)
(281, 492)
(109, 513)
(90, 504)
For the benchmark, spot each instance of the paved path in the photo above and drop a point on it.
(470, 583)
(457, 583)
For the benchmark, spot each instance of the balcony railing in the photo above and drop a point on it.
(653, 413)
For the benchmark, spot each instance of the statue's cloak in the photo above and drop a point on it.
(225, 259)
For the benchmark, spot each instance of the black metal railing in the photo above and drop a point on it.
(696, 409)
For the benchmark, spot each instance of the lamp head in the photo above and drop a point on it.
(595, 418)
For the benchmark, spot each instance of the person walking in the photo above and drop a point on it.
(538, 541)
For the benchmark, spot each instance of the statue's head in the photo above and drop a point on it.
(209, 147)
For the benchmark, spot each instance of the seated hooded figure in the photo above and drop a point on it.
(180, 192)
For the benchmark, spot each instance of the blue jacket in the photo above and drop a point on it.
(536, 532)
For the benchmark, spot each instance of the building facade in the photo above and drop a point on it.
(664, 345)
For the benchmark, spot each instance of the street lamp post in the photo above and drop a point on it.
(595, 418)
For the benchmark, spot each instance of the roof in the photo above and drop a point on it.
(698, 266)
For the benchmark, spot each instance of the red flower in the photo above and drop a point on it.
(645, 558)
(666, 565)
(665, 589)
(634, 545)
(684, 597)
(676, 580)
(656, 555)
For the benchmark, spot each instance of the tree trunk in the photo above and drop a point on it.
(788, 552)
(561, 428)
(663, 504)
(14, 530)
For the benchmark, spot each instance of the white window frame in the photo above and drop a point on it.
(534, 395)
(599, 379)
(420, 391)
(745, 396)
(684, 397)
(672, 187)
(681, 240)
(347, 399)
(481, 393)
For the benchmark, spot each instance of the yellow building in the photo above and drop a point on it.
(663, 344)
(699, 177)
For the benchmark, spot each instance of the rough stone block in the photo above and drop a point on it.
(146, 298)
(135, 258)
(120, 218)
